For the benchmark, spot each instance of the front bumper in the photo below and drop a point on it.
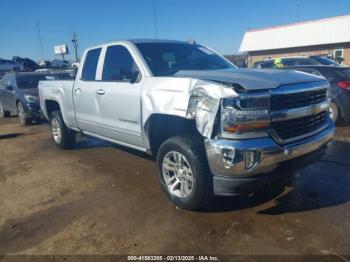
(251, 158)
(33, 111)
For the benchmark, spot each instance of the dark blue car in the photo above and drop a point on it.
(19, 95)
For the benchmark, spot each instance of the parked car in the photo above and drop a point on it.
(28, 64)
(213, 129)
(58, 63)
(9, 65)
(19, 95)
(295, 61)
(44, 63)
(339, 78)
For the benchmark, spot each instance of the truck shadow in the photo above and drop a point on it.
(8, 136)
(85, 142)
(323, 184)
(326, 183)
(309, 190)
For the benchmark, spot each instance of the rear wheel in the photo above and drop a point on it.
(183, 172)
(62, 136)
(334, 112)
(25, 121)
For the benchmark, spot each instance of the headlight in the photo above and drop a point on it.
(31, 99)
(246, 116)
(258, 101)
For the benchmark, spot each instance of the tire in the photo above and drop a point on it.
(194, 186)
(63, 137)
(3, 112)
(25, 121)
(334, 112)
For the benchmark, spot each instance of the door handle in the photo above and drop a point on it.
(100, 92)
(77, 90)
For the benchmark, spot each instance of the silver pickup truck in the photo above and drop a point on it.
(214, 129)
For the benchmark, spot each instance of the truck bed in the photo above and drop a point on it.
(61, 92)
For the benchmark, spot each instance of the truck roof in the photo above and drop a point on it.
(141, 41)
(138, 41)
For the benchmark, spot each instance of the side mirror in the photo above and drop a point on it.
(9, 88)
(135, 77)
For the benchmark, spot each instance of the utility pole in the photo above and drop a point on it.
(75, 42)
(40, 40)
(155, 18)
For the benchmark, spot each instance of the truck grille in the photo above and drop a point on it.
(296, 127)
(295, 100)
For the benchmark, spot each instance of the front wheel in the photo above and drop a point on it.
(63, 137)
(183, 172)
(23, 119)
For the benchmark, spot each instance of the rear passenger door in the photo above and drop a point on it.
(86, 106)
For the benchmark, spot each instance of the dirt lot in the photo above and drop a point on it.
(103, 199)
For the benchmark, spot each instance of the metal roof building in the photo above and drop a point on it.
(330, 36)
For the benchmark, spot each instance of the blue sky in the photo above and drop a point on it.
(219, 24)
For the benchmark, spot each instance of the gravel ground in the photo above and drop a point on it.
(104, 199)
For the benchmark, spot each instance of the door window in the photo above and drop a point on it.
(119, 65)
(90, 65)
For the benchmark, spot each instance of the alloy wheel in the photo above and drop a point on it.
(21, 113)
(177, 174)
(56, 130)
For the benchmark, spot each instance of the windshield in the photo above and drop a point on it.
(31, 81)
(325, 61)
(166, 59)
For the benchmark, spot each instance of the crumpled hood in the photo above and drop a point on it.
(253, 79)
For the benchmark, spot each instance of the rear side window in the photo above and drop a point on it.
(118, 65)
(90, 64)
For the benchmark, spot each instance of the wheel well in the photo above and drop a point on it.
(51, 106)
(161, 127)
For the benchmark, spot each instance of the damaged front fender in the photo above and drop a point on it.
(185, 98)
(204, 104)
